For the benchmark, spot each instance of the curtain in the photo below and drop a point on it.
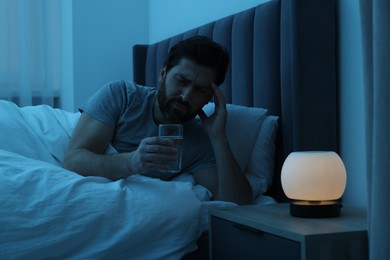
(30, 51)
(375, 18)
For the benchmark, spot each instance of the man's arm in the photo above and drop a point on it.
(85, 153)
(229, 183)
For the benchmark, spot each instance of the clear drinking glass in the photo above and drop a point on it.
(174, 132)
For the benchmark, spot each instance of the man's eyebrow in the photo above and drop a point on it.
(181, 75)
(184, 77)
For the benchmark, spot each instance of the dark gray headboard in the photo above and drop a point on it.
(283, 57)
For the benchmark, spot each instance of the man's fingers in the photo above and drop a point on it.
(202, 115)
(219, 97)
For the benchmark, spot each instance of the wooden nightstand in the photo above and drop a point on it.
(269, 232)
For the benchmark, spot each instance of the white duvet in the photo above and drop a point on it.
(49, 212)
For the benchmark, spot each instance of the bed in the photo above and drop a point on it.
(281, 86)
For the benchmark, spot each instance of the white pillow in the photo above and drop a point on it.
(261, 165)
(242, 126)
(251, 134)
(18, 137)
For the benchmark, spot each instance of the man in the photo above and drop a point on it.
(127, 116)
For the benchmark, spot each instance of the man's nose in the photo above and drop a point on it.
(187, 93)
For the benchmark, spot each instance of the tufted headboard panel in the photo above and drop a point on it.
(283, 58)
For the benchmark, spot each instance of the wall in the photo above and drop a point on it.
(352, 120)
(67, 93)
(103, 33)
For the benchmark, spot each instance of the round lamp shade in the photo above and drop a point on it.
(313, 176)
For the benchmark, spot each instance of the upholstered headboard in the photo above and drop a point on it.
(283, 58)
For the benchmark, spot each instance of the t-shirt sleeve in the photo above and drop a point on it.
(107, 104)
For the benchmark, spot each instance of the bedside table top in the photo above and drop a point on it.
(276, 219)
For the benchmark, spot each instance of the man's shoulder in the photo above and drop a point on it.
(126, 92)
(128, 86)
(137, 89)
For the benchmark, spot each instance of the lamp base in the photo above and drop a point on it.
(315, 209)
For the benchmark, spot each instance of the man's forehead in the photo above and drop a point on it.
(191, 70)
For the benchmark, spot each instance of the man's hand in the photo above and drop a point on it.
(85, 154)
(215, 124)
(151, 152)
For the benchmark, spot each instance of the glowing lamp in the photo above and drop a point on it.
(314, 182)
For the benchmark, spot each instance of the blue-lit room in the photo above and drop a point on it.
(280, 148)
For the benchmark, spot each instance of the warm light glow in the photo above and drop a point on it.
(313, 176)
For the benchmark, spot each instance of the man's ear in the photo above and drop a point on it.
(163, 73)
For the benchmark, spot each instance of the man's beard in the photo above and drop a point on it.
(167, 108)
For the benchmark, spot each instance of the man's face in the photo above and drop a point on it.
(184, 90)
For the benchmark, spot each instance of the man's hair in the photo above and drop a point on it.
(203, 51)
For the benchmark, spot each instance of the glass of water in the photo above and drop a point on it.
(174, 132)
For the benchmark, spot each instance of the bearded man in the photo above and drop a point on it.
(126, 116)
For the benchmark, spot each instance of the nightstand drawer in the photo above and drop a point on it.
(235, 241)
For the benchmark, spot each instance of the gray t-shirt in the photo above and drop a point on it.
(127, 108)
